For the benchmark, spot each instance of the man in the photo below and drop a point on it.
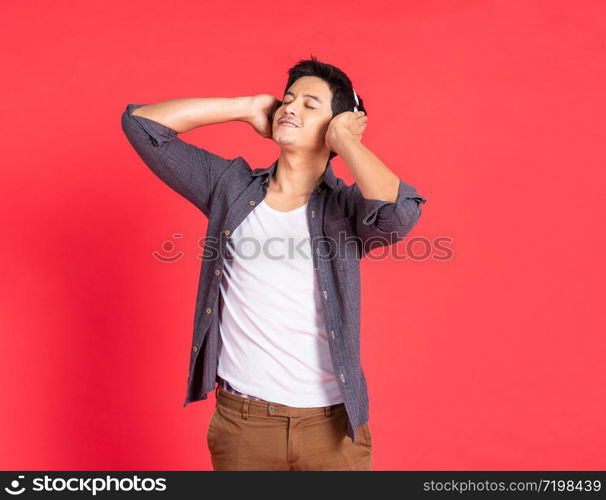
(277, 313)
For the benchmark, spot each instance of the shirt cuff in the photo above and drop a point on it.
(158, 133)
(392, 211)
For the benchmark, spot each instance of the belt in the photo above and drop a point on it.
(269, 408)
(224, 385)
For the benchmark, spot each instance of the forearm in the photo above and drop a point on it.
(375, 180)
(188, 113)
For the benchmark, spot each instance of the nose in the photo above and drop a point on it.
(289, 108)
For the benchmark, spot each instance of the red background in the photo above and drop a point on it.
(488, 356)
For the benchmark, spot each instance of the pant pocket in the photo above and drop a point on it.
(213, 427)
(365, 436)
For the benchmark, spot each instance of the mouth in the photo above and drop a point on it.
(286, 123)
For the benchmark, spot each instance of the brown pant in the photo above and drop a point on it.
(252, 435)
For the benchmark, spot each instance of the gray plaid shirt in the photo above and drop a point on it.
(343, 227)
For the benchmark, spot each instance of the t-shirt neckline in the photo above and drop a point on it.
(280, 212)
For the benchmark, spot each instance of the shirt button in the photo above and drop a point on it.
(342, 377)
(217, 272)
(332, 334)
(251, 202)
(209, 310)
(226, 232)
(313, 213)
(195, 348)
(325, 294)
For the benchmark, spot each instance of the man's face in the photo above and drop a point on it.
(307, 104)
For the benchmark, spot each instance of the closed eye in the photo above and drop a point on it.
(307, 106)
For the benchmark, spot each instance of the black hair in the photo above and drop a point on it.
(340, 85)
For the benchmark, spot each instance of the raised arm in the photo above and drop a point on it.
(386, 208)
(189, 170)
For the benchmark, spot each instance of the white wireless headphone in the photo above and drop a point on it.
(357, 102)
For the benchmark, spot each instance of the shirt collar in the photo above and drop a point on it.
(328, 177)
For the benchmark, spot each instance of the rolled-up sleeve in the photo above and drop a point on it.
(189, 170)
(380, 223)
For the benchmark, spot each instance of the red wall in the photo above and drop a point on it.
(487, 355)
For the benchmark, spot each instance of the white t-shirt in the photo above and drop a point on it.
(273, 335)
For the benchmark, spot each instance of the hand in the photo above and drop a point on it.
(349, 124)
(263, 107)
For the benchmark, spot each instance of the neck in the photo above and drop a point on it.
(298, 176)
